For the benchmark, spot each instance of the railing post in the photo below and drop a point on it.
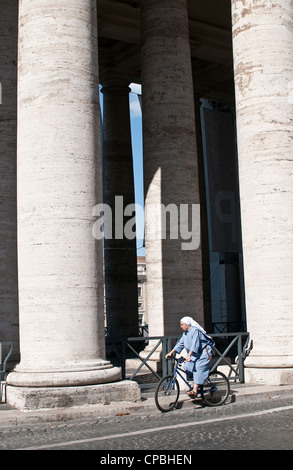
(3, 366)
(164, 352)
(240, 358)
(123, 359)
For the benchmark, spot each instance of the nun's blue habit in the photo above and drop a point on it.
(197, 341)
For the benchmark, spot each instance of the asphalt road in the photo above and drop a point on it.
(257, 423)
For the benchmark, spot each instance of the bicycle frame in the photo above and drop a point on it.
(214, 392)
(177, 372)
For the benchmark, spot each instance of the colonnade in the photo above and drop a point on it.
(59, 181)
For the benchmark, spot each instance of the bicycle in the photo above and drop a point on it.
(214, 392)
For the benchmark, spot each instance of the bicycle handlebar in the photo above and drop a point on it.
(179, 360)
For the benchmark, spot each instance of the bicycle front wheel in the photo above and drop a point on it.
(167, 393)
(216, 389)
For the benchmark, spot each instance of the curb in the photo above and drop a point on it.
(11, 417)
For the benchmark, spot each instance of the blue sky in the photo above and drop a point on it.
(136, 133)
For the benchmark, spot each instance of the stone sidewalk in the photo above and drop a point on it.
(11, 417)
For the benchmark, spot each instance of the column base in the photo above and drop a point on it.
(269, 370)
(269, 376)
(32, 390)
(82, 374)
(39, 398)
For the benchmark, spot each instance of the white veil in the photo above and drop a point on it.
(191, 322)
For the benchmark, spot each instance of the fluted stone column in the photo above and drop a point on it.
(9, 323)
(174, 274)
(59, 183)
(118, 193)
(263, 60)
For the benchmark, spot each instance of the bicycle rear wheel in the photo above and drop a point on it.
(167, 394)
(216, 389)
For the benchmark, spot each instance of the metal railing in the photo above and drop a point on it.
(230, 350)
(241, 341)
(6, 348)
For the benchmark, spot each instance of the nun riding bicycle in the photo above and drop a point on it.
(212, 388)
(199, 348)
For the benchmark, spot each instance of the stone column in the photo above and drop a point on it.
(59, 182)
(9, 324)
(118, 193)
(174, 270)
(263, 61)
(206, 280)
